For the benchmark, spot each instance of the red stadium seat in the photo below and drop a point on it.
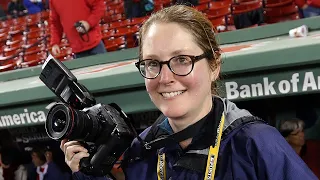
(276, 3)
(202, 7)
(136, 21)
(246, 7)
(215, 5)
(219, 12)
(281, 11)
(119, 24)
(218, 21)
(10, 63)
(33, 59)
(117, 17)
(106, 34)
(34, 48)
(282, 18)
(8, 51)
(115, 44)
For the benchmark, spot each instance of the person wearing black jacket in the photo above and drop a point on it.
(16, 8)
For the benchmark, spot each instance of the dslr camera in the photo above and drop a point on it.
(78, 24)
(104, 129)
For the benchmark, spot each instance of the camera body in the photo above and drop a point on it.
(78, 24)
(104, 129)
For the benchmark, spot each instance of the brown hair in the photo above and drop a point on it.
(194, 21)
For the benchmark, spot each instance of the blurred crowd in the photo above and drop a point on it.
(35, 164)
(18, 8)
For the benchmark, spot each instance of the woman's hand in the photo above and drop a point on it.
(73, 153)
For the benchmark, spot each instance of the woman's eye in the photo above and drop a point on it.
(183, 60)
(152, 64)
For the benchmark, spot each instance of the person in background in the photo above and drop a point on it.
(3, 15)
(12, 169)
(45, 170)
(33, 6)
(16, 8)
(85, 37)
(309, 8)
(293, 131)
(49, 158)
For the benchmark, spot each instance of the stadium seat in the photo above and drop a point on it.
(215, 5)
(136, 21)
(45, 14)
(119, 24)
(276, 3)
(14, 44)
(65, 54)
(35, 48)
(202, 7)
(115, 44)
(34, 59)
(218, 12)
(203, 1)
(281, 11)
(11, 51)
(218, 21)
(33, 35)
(282, 18)
(10, 63)
(246, 7)
(117, 17)
(106, 34)
(17, 29)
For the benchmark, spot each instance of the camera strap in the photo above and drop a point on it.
(174, 138)
(85, 33)
(211, 160)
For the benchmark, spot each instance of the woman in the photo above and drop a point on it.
(180, 61)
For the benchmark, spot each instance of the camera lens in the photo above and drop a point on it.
(64, 122)
(59, 121)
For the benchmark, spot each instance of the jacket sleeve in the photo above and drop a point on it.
(54, 172)
(272, 156)
(97, 11)
(80, 176)
(56, 29)
(27, 3)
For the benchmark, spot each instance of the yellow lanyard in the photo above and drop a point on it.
(211, 162)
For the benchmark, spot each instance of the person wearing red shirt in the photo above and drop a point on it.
(86, 39)
(309, 8)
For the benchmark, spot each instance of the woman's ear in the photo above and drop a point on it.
(216, 72)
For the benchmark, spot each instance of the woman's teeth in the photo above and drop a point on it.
(172, 94)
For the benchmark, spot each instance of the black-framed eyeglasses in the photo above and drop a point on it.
(293, 133)
(180, 65)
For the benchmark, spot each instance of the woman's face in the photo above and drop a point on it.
(177, 96)
(296, 138)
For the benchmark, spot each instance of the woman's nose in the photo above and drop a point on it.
(166, 76)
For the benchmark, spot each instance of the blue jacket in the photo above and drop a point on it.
(54, 173)
(33, 8)
(250, 149)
